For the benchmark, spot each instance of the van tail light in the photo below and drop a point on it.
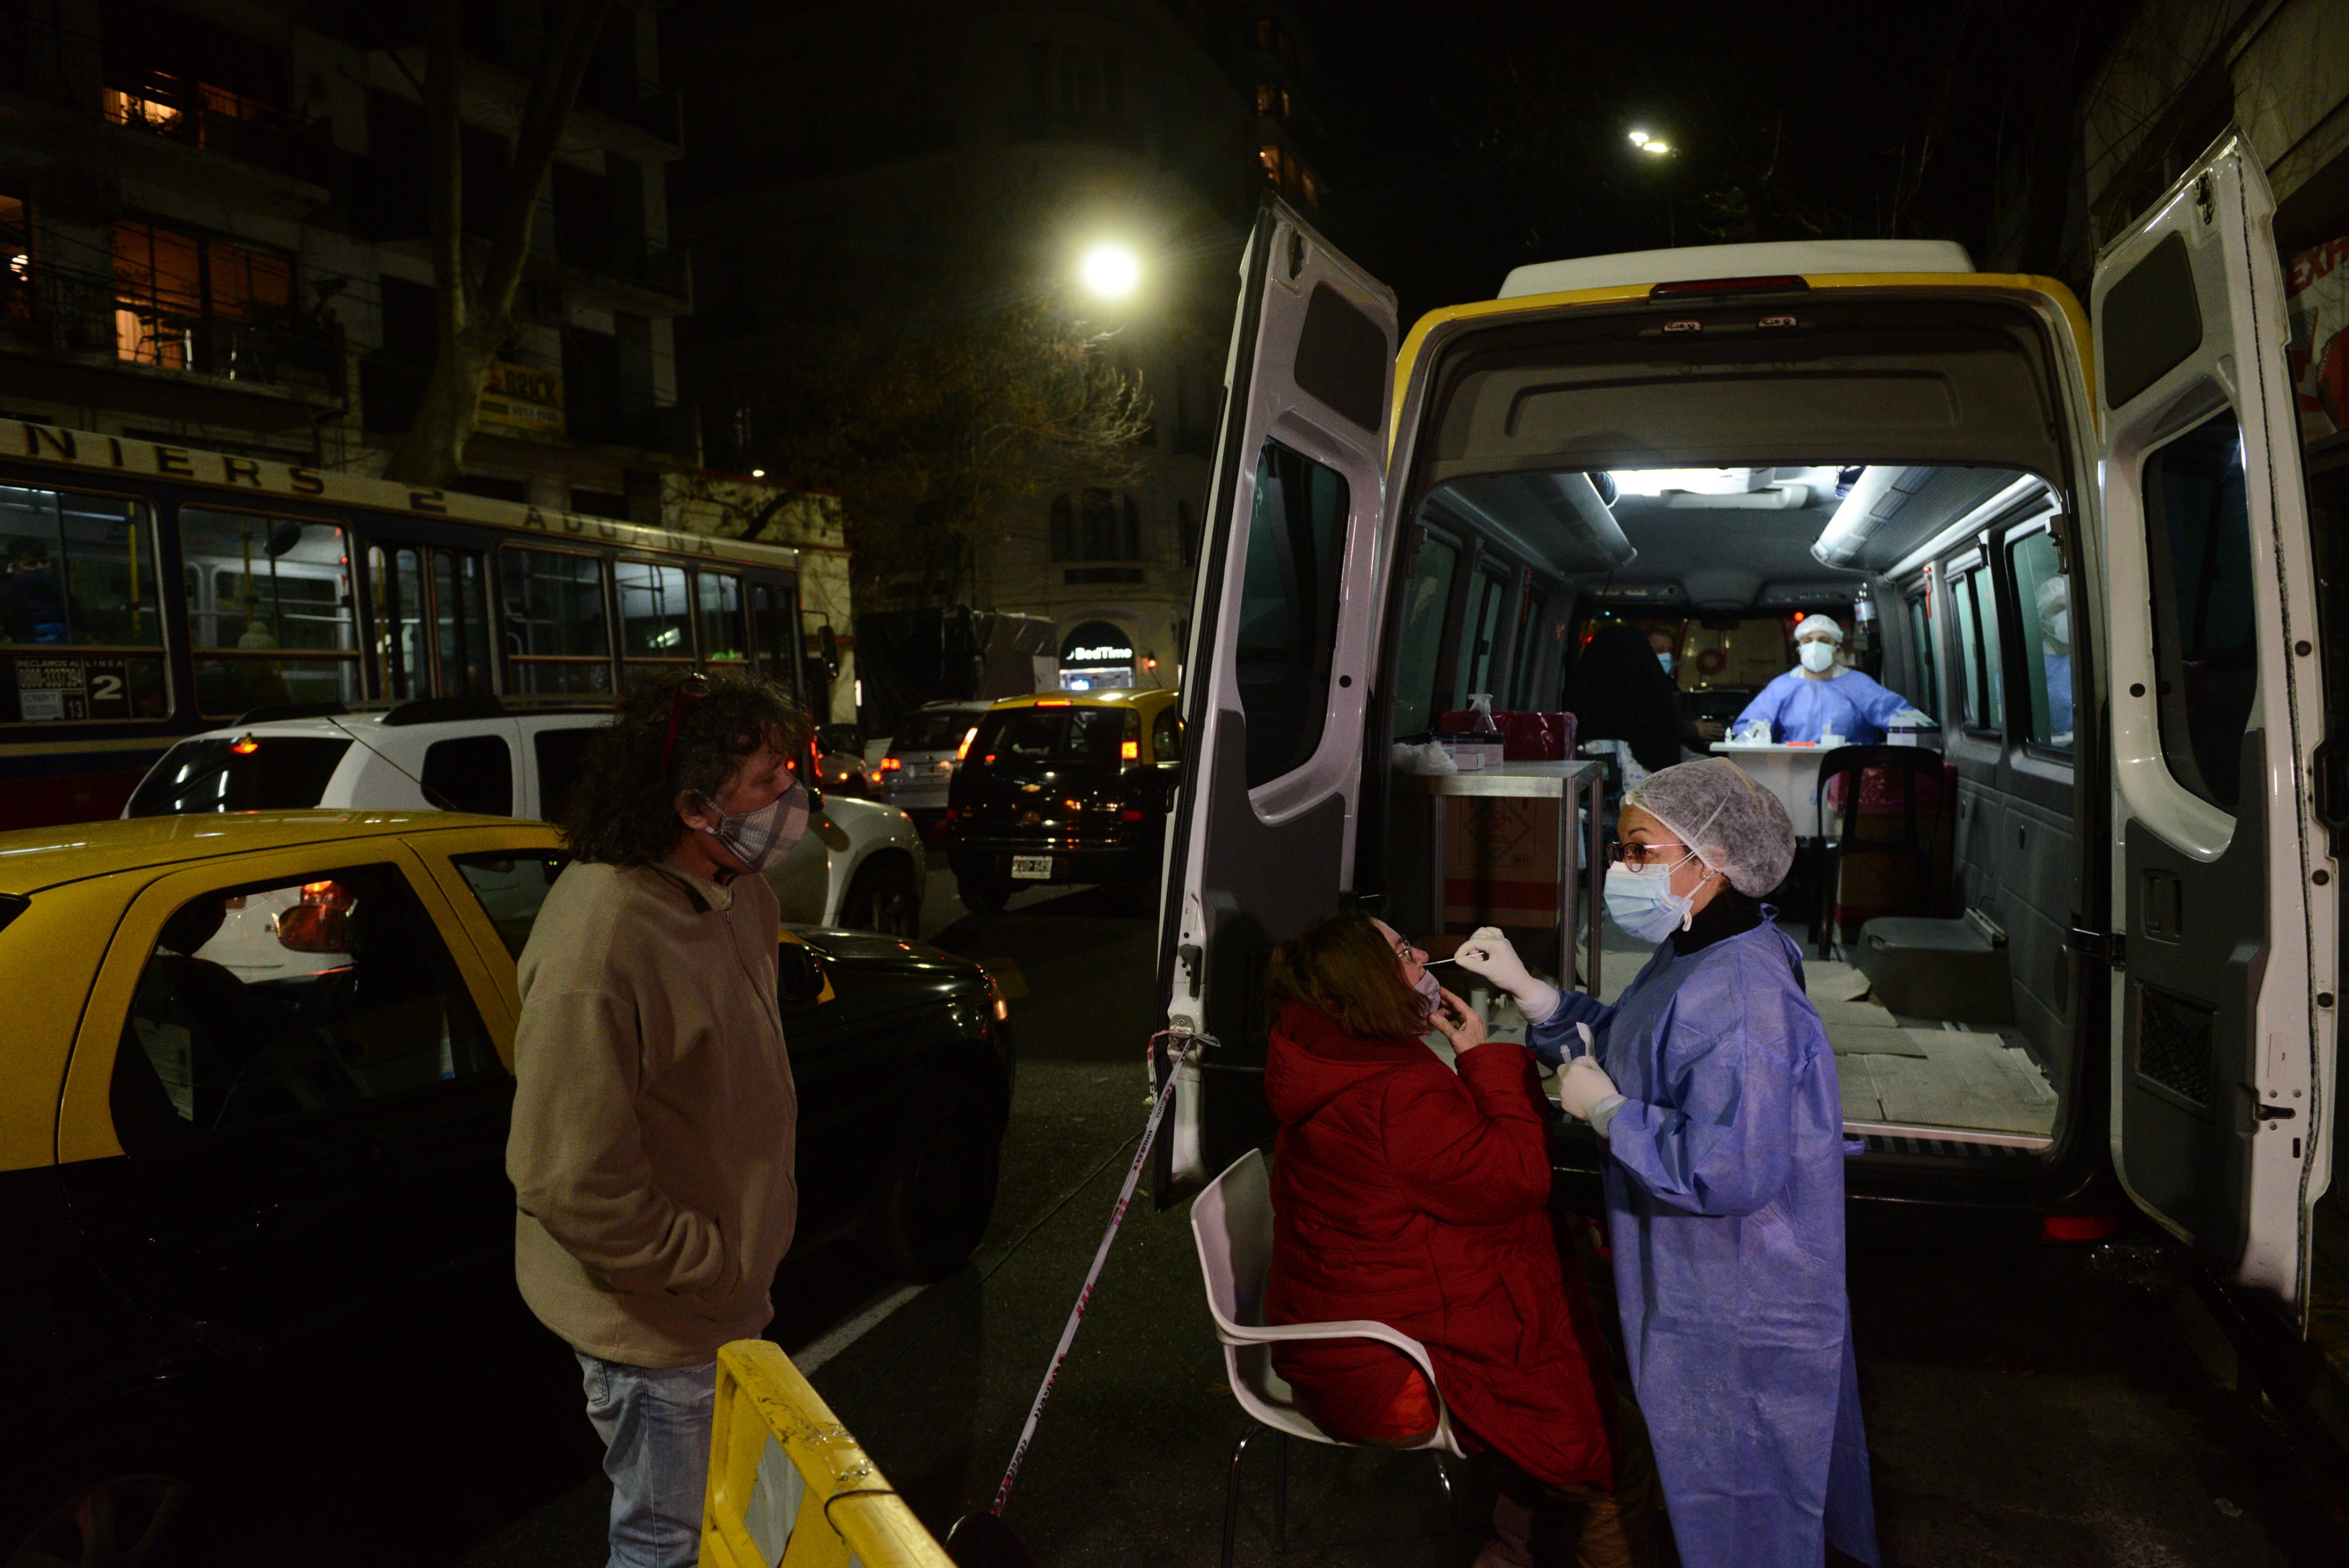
(1130, 751)
(953, 811)
(967, 737)
(2078, 1227)
(890, 765)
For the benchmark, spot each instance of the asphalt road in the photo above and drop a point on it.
(2040, 1408)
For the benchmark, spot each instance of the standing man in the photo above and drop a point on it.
(654, 1116)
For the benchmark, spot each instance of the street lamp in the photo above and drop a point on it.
(1110, 270)
(1650, 145)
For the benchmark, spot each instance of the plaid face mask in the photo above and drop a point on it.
(760, 840)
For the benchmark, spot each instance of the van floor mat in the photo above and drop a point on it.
(1886, 1039)
(1832, 979)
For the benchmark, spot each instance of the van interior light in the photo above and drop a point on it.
(1695, 481)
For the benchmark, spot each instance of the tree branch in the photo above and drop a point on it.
(553, 89)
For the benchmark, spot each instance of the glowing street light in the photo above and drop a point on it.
(1110, 270)
(1650, 145)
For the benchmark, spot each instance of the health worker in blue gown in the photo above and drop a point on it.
(1819, 695)
(1712, 1085)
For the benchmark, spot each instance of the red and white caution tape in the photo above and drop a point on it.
(1176, 1057)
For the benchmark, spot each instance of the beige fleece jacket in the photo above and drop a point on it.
(655, 1117)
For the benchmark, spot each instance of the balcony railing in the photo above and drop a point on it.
(198, 114)
(648, 265)
(73, 312)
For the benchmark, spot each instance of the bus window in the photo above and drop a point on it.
(1524, 665)
(779, 638)
(656, 618)
(460, 612)
(1927, 695)
(2198, 527)
(395, 584)
(1423, 606)
(81, 625)
(2045, 601)
(270, 611)
(557, 641)
(717, 602)
(1288, 608)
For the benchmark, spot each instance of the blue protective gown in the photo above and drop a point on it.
(1724, 1199)
(1798, 707)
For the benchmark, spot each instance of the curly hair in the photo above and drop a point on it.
(622, 808)
(1342, 968)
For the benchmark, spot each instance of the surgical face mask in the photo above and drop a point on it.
(1642, 901)
(2059, 628)
(1430, 992)
(1666, 661)
(760, 840)
(1817, 656)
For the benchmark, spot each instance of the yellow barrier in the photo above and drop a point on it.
(789, 1486)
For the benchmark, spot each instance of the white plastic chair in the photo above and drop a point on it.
(1232, 1224)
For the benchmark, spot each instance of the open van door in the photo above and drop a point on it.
(2223, 975)
(1283, 637)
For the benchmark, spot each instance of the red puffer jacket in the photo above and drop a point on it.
(1409, 1195)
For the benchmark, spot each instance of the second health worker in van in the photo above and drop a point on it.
(1821, 696)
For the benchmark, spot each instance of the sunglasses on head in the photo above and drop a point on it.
(693, 689)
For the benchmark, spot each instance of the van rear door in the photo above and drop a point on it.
(2215, 707)
(1284, 630)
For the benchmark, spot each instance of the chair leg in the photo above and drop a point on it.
(1232, 1496)
(1451, 1510)
(1280, 1492)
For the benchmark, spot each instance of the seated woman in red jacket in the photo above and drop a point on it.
(1415, 1196)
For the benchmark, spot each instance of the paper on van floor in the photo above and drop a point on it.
(1966, 1080)
(1873, 1040)
(1828, 980)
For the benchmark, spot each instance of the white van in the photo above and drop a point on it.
(859, 864)
(1729, 437)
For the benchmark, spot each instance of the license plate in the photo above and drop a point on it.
(1032, 867)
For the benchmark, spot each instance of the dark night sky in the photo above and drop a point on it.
(1461, 139)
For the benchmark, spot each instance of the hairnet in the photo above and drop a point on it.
(2055, 593)
(1811, 623)
(1733, 824)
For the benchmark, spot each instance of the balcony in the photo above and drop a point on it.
(82, 314)
(649, 268)
(196, 114)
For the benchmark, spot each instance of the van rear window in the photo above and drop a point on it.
(1054, 735)
(940, 732)
(285, 773)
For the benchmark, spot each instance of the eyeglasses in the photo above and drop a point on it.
(1639, 856)
(694, 687)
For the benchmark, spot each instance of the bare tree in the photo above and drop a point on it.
(927, 421)
(474, 306)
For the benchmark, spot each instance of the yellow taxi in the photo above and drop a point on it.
(254, 1101)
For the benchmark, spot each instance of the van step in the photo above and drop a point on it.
(1923, 968)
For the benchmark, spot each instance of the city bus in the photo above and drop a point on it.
(149, 591)
(2087, 537)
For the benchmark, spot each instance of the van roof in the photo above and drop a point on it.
(1689, 264)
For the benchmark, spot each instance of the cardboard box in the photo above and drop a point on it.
(1500, 861)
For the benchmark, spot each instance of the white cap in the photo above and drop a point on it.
(1826, 623)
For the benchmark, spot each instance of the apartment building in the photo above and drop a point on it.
(214, 218)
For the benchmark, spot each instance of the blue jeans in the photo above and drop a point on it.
(655, 1423)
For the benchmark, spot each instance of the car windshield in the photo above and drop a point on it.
(936, 729)
(1052, 734)
(253, 773)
